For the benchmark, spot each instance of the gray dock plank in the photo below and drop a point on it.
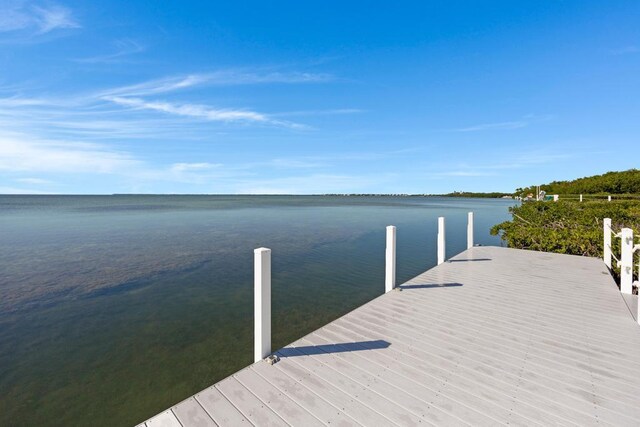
(190, 412)
(220, 409)
(495, 336)
(365, 415)
(312, 402)
(475, 395)
(279, 402)
(356, 384)
(246, 402)
(164, 419)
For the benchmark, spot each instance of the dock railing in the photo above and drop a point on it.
(625, 262)
(262, 283)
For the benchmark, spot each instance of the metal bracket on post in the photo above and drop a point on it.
(626, 261)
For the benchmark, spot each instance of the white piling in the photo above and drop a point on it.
(390, 260)
(469, 230)
(262, 303)
(609, 198)
(607, 242)
(581, 197)
(626, 261)
(441, 240)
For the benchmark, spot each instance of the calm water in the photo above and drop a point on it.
(113, 308)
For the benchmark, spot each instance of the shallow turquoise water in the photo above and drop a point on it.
(113, 308)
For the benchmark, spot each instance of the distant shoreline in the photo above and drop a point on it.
(459, 195)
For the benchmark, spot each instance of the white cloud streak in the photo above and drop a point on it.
(626, 50)
(218, 78)
(53, 18)
(337, 111)
(37, 19)
(22, 190)
(514, 124)
(23, 153)
(307, 184)
(123, 49)
(200, 111)
(494, 126)
(34, 181)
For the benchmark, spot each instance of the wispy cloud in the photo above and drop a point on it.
(217, 78)
(122, 49)
(523, 160)
(494, 126)
(24, 153)
(307, 184)
(513, 124)
(36, 19)
(34, 181)
(461, 173)
(194, 173)
(194, 167)
(16, 101)
(54, 17)
(201, 111)
(294, 164)
(626, 50)
(22, 190)
(337, 111)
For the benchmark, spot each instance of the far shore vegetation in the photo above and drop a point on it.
(491, 195)
(625, 183)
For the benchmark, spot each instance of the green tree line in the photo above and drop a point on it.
(624, 182)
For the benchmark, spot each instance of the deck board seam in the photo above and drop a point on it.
(493, 388)
(344, 391)
(439, 392)
(501, 325)
(310, 391)
(245, 416)
(554, 361)
(440, 356)
(274, 409)
(542, 352)
(482, 355)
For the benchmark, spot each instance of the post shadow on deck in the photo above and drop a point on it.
(332, 348)
(431, 285)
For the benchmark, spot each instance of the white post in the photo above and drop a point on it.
(556, 197)
(441, 240)
(609, 198)
(262, 303)
(469, 230)
(390, 260)
(607, 242)
(581, 197)
(626, 261)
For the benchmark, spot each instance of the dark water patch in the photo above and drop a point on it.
(140, 283)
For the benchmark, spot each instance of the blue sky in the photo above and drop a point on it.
(315, 97)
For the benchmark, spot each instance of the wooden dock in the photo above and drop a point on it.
(493, 336)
